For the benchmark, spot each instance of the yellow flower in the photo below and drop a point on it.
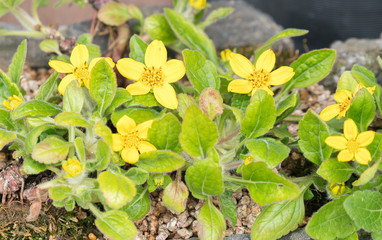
(248, 160)
(130, 139)
(360, 85)
(352, 144)
(337, 188)
(78, 69)
(198, 3)
(225, 54)
(14, 101)
(72, 166)
(259, 76)
(156, 74)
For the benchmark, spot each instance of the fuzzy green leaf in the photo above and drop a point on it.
(160, 161)
(102, 156)
(139, 206)
(137, 49)
(104, 132)
(114, 13)
(35, 108)
(269, 150)
(17, 64)
(158, 28)
(74, 98)
(51, 150)
(6, 137)
(31, 166)
(71, 119)
(47, 87)
(116, 225)
(335, 171)
(175, 196)
(362, 109)
(121, 96)
(5, 120)
(33, 136)
(367, 175)
(228, 207)
(138, 175)
(211, 222)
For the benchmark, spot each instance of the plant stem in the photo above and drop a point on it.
(292, 118)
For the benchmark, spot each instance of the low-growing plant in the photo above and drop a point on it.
(205, 124)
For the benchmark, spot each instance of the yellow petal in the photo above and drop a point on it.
(337, 142)
(225, 54)
(117, 142)
(173, 70)
(144, 147)
(267, 89)
(79, 56)
(240, 65)
(365, 138)
(130, 155)
(371, 89)
(137, 88)
(65, 82)
(125, 125)
(330, 112)
(143, 128)
(281, 75)
(363, 156)
(156, 54)
(266, 61)
(345, 156)
(94, 61)
(350, 129)
(166, 96)
(240, 86)
(7, 105)
(130, 68)
(61, 67)
(343, 95)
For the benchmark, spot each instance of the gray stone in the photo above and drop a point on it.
(354, 51)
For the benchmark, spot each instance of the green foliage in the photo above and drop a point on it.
(158, 28)
(160, 161)
(271, 151)
(362, 109)
(175, 196)
(18, 60)
(211, 222)
(334, 171)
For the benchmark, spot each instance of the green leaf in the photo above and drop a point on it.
(73, 98)
(35, 108)
(137, 49)
(80, 149)
(60, 192)
(269, 150)
(114, 13)
(121, 96)
(335, 171)
(94, 51)
(312, 133)
(205, 178)
(184, 102)
(199, 133)
(85, 38)
(18, 60)
(5, 120)
(102, 156)
(211, 222)
(278, 219)
(241, 101)
(139, 114)
(39, 120)
(266, 186)
(289, 32)
(51, 150)
(331, 221)
(363, 75)
(216, 15)
(164, 133)
(160, 161)
(362, 109)
(200, 71)
(116, 225)
(116, 189)
(42, 3)
(102, 84)
(33, 136)
(70, 204)
(190, 35)
(71, 119)
(138, 175)
(50, 46)
(367, 175)
(175, 196)
(6, 137)
(158, 28)
(375, 148)
(376, 235)
(289, 102)
(228, 207)
(104, 132)
(47, 87)
(31, 166)
(347, 82)
(311, 67)
(259, 116)
(144, 100)
(139, 206)
(7, 88)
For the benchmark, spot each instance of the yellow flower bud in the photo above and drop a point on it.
(248, 160)
(198, 3)
(13, 102)
(72, 166)
(337, 188)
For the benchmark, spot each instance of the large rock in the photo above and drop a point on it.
(355, 51)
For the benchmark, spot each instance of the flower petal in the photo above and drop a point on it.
(65, 82)
(363, 156)
(173, 70)
(143, 128)
(117, 142)
(125, 125)
(156, 54)
(240, 65)
(131, 69)
(79, 56)
(330, 112)
(337, 142)
(61, 67)
(240, 86)
(342, 96)
(350, 129)
(94, 61)
(166, 96)
(144, 147)
(345, 156)
(281, 75)
(266, 61)
(137, 88)
(267, 89)
(130, 155)
(365, 138)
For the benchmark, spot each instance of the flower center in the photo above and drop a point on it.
(82, 74)
(345, 104)
(259, 79)
(131, 139)
(352, 146)
(152, 77)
